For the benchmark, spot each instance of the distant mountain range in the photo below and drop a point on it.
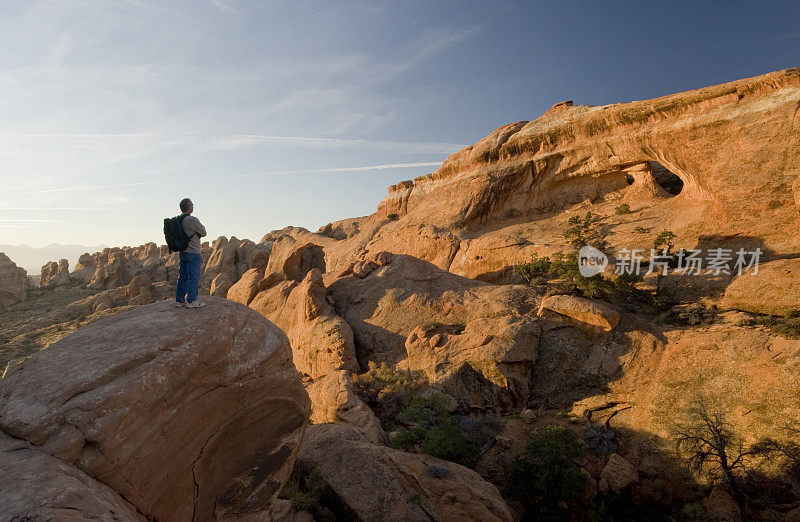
(32, 259)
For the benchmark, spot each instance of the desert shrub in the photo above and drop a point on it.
(564, 268)
(623, 209)
(600, 439)
(662, 299)
(664, 241)
(640, 230)
(585, 230)
(447, 441)
(312, 489)
(548, 474)
(536, 271)
(452, 329)
(327, 230)
(431, 421)
(393, 217)
(692, 511)
(789, 328)
(692, 315)
(387, 391)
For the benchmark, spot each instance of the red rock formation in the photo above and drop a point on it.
(55, 274)
(491, 205)
(14, 282)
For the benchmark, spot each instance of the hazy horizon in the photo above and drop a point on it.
(270, 114)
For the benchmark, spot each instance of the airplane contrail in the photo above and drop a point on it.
(272, 173)
(335, 169)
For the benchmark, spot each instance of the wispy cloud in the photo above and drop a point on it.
(428, 45)
(87, 187)
(59, 50)
(82, 209)
(225, 7)
(33, 221)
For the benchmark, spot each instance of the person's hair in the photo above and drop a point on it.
(185, 204)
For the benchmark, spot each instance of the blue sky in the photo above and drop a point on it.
(266, 113)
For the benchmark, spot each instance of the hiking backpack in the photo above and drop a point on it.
(176, 237)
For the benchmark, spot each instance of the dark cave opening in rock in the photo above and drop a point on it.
(668, 180)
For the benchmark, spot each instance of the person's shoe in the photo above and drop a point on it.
(195, 304)
(179, 304)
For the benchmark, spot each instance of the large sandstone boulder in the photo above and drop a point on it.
(84, 268)
(435, 244)
(575, 362)
(37, 486)
(618, 473)
(219, 271)
(586, 311)
(774, 289)
(490, 360)
(386, 305)
(228, 260)
(139, 290)
(14, 282)
(378, 483)
(294, 258)
(334, 400)
(246, 288)
(321, 340)
(747, 374)
(186, 414)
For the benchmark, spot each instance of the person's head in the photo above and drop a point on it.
(186, 206)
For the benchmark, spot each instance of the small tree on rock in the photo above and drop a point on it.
(712, 447)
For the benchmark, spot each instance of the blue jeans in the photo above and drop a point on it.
(188, 277)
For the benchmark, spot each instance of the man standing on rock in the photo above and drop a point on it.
(191, 260)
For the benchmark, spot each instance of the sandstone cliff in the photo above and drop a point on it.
(732, 148)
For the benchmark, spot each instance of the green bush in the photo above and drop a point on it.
(623, 209)
(452, 329)
(393, 217)
(447, 441)
(547, 474)
(536, 271)
(640, 230)
(387, 391)
(585, 230)
(664, 240)
(693, 315)
(312, 490)
(327, 230)
(565, 269)
(432, 423)
(789, 328)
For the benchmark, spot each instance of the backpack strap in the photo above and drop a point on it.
(180, 219)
